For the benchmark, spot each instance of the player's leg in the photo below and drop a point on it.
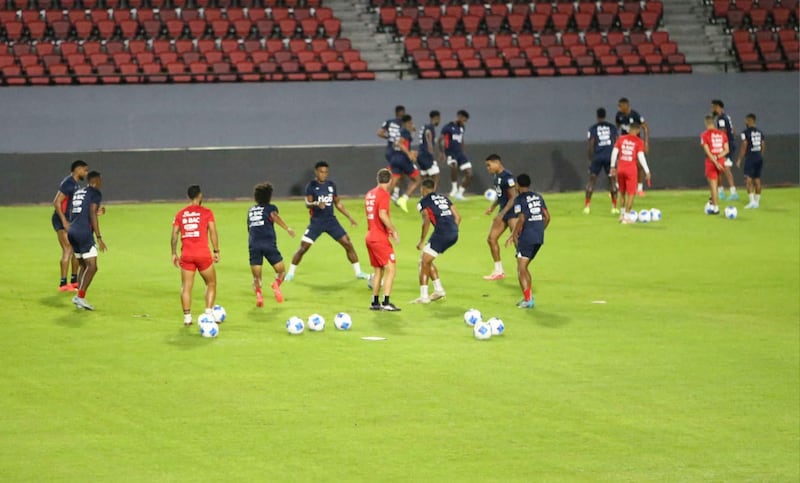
(187, 284)
(276, 260)
(413, 174)
(425, 269)
(438, 288)
(729, 178)
(453, 175)
(712, 187)
(495, 231)
(466, 177)
(589, 190)
(337, 233)
(612, 187)
(209, 275)
(524, 276)
(64, 262)
(389, 270)
(313, 231)
(256, 271)
(377, 283)
(757, 182)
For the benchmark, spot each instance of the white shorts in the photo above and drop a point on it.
(432, 171)
(728, 162)
(430, 251)
(92, 253)
(452, 162)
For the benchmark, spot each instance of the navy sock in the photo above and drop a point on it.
(63, 281)
(375, 300)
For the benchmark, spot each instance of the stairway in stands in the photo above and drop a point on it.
(706, 46)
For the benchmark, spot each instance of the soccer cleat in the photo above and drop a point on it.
(376, 307)
(259, 299)
(626, 222)
(721, 195)
(74, 286)
(289, 277)
(402, 202)
(734, 197)
(615, 211)
(587, 210)
(751, 205)
(640, 193)
(390, 307)
(66, 288)
(370, 281)
(525, 304)
(187, 320)
(421, 300)
(459, 197)
(81, 303)
(436, 295)
(276, 290)
(363, 276)
(495, 276)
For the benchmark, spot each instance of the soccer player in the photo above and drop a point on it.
(754, 144)
(451, 145)
(715, 145)
(262, 242)
(194, 225)
(402, 162)
(426, 154)
(528, 234)
(625, 118)
(321, 197)
(84, 227)
(61, 204)
(724, 123)
(381, 252)
(390, 131)
(436, 209)
(602, 137)
(629, 152)
(506, 189)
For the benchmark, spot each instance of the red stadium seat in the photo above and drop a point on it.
(654, 62)
(633, 64)
(610, 65)
(586, 64)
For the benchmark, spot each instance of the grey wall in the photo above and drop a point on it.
(78, 119)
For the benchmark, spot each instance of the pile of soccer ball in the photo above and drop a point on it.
(316, 323)
(209, 324)
(730, 211)
(645, 216)
(483, 330)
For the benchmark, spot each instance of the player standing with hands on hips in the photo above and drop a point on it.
(381, 253)
(626, 157)
(82, 231)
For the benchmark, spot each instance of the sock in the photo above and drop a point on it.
(375, 300)
(498, 267)
(62, 282)
(758, 198)
(527, 294)
(437, 285)
(187, 318)
(752, 197)
(733, 190)
(209, 311)
(640, 187)
(623, 212)
(81, 294)
(278, 282)
(396, 191)
(720, 189)
(258, 291)
(454, 189)
(423, 291)
(73, 278)
(386, 300)
(357, 268)
(461, 190)
(588, 201)
(292, 268)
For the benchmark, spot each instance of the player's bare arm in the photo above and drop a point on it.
(763, 146)
(426, 225)
(440, 146)
(387, 221)
(456, 215)
(546, 214)
(742, 151)
(212, 231)
(712, 157)
(491, 207)
(643, 163)
(646, 130)
(276, 218)
(429, 143)
(337, 202)
(590, 151)
(57, 205)
(516, 231)
(614, 156)
(93, 209)
(174, 245)
(383, 134)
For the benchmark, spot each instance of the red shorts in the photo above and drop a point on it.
(627, 182)
(192, 263)
(711, 171)
(381, 253)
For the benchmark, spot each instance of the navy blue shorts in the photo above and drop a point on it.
(330, 226)
(56, 220)
(459, 159)
(82, 240)
(600, 164)
(508, 216)
(527, 250)
(438, 243)
(752, 167)
(401, 165)
(259, 252)
(424, 160)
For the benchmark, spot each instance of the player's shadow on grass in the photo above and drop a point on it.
(73, 318)
(187, 338)
(390, 323)
(549, 319)
(58, 301)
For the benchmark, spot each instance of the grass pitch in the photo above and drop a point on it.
(689, 372)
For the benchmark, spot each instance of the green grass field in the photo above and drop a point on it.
(689, 372)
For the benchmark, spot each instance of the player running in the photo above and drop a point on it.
(381, 253)
(715, 145)
(625, 118)
(194, 225)
(451, 147)
(426, 154)
(83, 229)
(629, 152)
(62, 203)
(262, 242)
(754, 144)
(506, 189)
(402, 162)
(436, 209)
(321, 197)
(602, 137)
(390, 131)
(725, 124)
(528, 234)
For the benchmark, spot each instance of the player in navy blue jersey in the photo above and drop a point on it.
(754, 143)
(262, 241)
(506, 188)
(724, 123)
(83, 229)
(528, 235)
(402, 162)
(426, 153)
(390, 131)
(625, 118)
(602, 136)
(439, 211)
(60, 220)
(451, 147)
(321, 197)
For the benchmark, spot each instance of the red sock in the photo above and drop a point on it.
(278, 281)
(588, 201)
(527, 294)
(81, 293)
(258, 291)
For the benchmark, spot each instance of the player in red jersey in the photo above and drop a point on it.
(381, 253)
(194, 224)
(628, 153)
(715, 144)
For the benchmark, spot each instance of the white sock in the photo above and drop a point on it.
(423, 291)
(396, 191)
(209, 311)
(357, 268)
(454, 189)
(292, 268)
(437, 285)
(405, 197)
(733, 189)
(752, 197)
(498, 267)
(640, 187)
(720, 189)
(758, 198)
(187, 318)
(460, 190)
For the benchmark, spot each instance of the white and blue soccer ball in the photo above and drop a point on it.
(208, 326)
(219, 313)
(342, 321)
(295, 326)
(655, 214)
(497, 326)
(633, 216)
(316, 323)
(709, 209)
(644, 216)
(490, 195)
(482, 330)
(731, 212)
(472, 317)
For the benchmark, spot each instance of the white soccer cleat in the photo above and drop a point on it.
(436, 295)
(81, 303)
(289, 277)
(421, 300)
(751, 205)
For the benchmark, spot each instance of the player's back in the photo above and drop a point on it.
(532, 205)
(405, 139)
(82, 199)
(260, 225)
(603, 135)
(629, 147)
(715, 140)
(754, 138)
(392, 128)
(439, 210)
(424, 147)
(193, 223)
(376, 199)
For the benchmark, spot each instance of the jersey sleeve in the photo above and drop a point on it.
(640, 118)
(517, 206)
(743, 137)
(67, 188)
(98, 198)
(510, 182)
(271, 210)
(544, 205)
(589, 134)
(309, 190)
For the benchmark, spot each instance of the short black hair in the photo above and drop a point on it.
(321, 164)
(194, 191)
(92, 175)
(428, 184)
(601, 113)
(434, 113)
(493, 157)
(78, 163)
(524, 181)
(384, 176)
(751, 116)
(718, 102)
(262, 193)
(623, 100)
(463, 113)
(398, 109)
(405, 118)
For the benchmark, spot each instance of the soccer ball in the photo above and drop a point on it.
(342, 321)
(295, 326)
(709, 209)
(633, 216)
(731, 212)
(497, 326)
(490, 195)
(316, 323)
(644, 216)
(655, 214)
(208, 327)
(472, 316)
(219, 313)
(482, 330)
